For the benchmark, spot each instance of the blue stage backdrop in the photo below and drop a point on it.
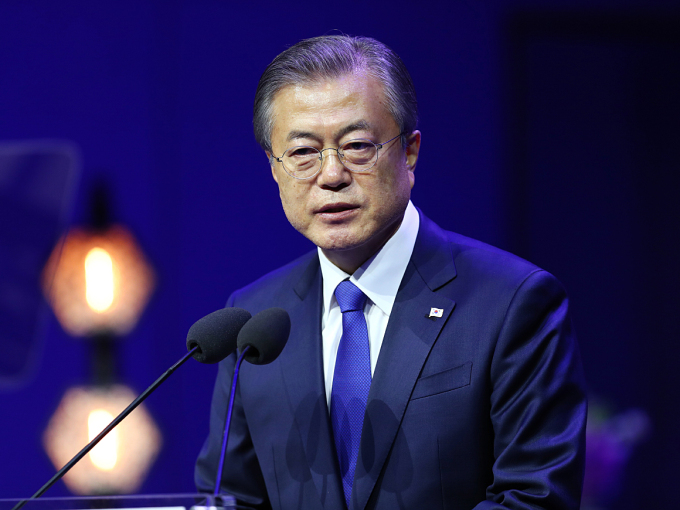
(549, 128)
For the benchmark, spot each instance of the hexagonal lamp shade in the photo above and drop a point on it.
(119, 463)
(98, 280)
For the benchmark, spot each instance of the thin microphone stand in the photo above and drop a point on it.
(108, 429)
(230, 408)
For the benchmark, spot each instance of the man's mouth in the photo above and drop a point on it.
(336, 208)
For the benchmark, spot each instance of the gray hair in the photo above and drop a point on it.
(329, 57)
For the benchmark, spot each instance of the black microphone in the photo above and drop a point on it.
(209, 340)
(264, 336)
(216, 334)
(260, 341)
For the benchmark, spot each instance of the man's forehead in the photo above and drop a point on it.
(344, 104)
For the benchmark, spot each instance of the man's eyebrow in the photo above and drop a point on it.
(294, 135)
(356, 126)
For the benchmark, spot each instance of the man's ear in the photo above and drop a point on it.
(412, 150)
(271, 164)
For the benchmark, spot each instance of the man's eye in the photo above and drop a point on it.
(357, 146)
(302, 152)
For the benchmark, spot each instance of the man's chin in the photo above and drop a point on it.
(344, 241)
(330, 248)
(348, 253)
(338, 241)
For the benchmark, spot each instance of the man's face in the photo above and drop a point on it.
(348, 215)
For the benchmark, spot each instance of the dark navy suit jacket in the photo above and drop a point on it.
(482, 408)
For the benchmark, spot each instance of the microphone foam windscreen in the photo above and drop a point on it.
(266, 334)
(216, 334)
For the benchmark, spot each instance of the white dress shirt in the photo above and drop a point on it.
(379, 278)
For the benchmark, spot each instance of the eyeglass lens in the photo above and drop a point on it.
(355, 155)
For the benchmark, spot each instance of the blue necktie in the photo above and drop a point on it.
(351, 381)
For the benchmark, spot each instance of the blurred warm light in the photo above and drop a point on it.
(98, 281)
(119, 464)
(105, 455)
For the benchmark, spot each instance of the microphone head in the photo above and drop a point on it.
(216, 334)
(266, 334)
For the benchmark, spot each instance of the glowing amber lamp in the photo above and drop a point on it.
(119, 463)
(98, 281)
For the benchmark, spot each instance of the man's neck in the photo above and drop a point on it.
(351, 260)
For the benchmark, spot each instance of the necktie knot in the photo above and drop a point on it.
(349, 296)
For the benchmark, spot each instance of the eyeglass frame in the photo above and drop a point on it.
(378, 146)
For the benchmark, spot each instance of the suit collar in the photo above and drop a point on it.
(432, 255)
(310, 277)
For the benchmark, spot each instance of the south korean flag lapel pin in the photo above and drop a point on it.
(435, 313)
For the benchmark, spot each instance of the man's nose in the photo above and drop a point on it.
(333, 172)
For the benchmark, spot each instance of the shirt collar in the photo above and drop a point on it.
(380, 276)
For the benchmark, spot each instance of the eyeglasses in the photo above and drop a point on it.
(357, 155)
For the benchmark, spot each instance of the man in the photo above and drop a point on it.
(451, 381)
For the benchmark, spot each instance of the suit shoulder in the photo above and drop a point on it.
(483, 261)
(465, 247)
(442, 256)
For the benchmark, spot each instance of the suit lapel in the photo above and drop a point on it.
(302, 371)
(408, 340)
